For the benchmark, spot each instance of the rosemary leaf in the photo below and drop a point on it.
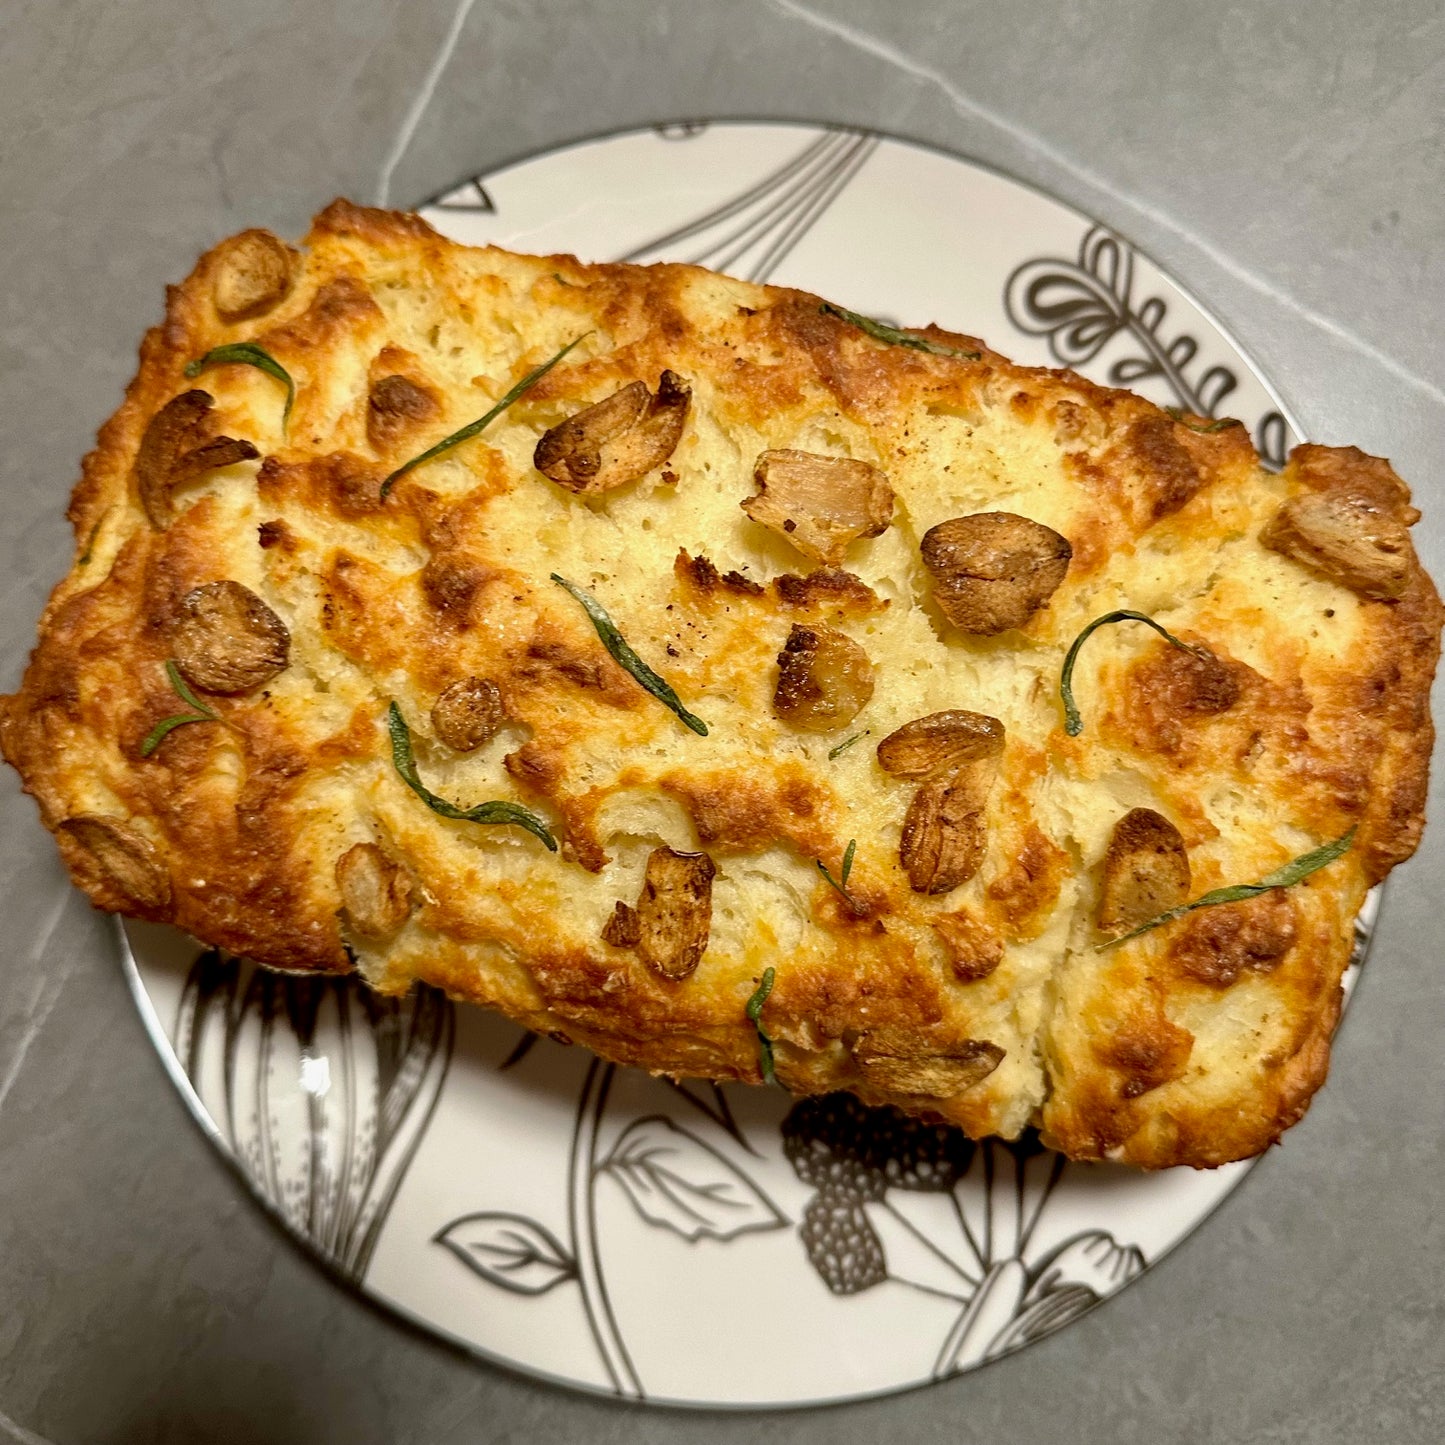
(182, 691)
(84, 559)
(625, 657)
(475, 428)
(840, 883)
(200, 712)
(846, 744)
(1221, 425)
(881, 331)
(1285, 877)
(158, 734)
(404, 761)
(1073, 720)
(755, 1014)
(247, 353)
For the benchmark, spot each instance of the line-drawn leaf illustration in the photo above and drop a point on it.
(509, 1250)
(1077, 311)
(676, 1181)
(1214, 386)
(988, 1315)
(322, 1089)
(1040, 1317)
(1081, 305)
(1271, 440)
(1093, 1260)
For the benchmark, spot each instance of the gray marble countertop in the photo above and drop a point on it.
(1285, 161)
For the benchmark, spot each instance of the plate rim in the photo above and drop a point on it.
(750, 118)
(396, 1311)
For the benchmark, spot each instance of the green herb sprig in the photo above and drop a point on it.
(846, 744)
(1285, 877)
(755, 1015)
(1073, 719)
(1223, 424)
(841, 881)
(84, 558)
(625, 657)
(474, 428)
(882, 331)
(199, 712)
(496, 812)
(247, 353)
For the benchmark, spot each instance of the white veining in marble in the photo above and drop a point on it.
(1041, 145)
(417, 109)
(47, 991)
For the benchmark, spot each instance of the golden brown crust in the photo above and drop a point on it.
(956, 970)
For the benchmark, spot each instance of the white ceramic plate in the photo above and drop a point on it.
(615, 1232)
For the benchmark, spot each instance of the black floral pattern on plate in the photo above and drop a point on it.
(1081, 304)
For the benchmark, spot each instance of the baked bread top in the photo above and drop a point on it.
(832, 778)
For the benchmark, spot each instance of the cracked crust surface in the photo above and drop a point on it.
(988, 1005)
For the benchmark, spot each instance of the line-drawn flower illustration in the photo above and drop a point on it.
(858, 1235)
(671, 1175)
(321, 1089)
(1081, 305)
(856, 1230)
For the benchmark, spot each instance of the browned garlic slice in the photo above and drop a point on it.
(954, 756)
(616, 440)
(123, 857)
(902, 1066)
(993, 570)
(467, 714)
(824, 679)
(178, 447)
(935, 745)
(945, 832)
(669, 927)
(227, 640)
(376, 891)
(820, 504)
(1146, 871)
(1345, 539)
(252, 276)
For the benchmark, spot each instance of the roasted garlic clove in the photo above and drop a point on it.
(993, 570)
(122, 857)
(227, 639)
(945, 832)
(974, 949)
(1146, 871)
(394, 406)
(618, 439)
(253, 275)
(935, 745)
(178, 447)
(669, 927)
(376, 891)
(467, 714)
(820, 504)
(899, 1065)
(824, 679)
(1346, 540)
